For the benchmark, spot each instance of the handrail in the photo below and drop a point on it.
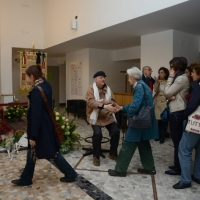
(7, 94)
(14, 104)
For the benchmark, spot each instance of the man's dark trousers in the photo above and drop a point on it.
(97, 138)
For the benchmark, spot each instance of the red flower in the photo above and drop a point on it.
(0, 138)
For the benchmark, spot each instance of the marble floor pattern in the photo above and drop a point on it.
(94, 182)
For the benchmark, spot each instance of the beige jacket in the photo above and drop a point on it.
(160, 100)
(179, 89)
(105, 117)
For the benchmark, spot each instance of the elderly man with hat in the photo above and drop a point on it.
(100, 113)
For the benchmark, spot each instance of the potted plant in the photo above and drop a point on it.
(68, 128)
(14, 113)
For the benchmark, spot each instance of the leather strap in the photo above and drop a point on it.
(48, 106)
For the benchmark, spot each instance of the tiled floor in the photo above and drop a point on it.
(94, 182)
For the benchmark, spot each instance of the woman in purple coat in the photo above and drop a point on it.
(43, 142)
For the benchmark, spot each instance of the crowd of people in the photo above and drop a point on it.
(174, 91)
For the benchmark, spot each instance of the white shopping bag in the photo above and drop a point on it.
(23, 142)
(193, 124)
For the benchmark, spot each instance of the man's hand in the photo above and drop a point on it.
(32, 143)
(110, 108)
(105, 102)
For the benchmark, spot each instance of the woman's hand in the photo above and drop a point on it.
(156, 79)
(117, 106)
(32, 143)
(171, 98)
(172, 72)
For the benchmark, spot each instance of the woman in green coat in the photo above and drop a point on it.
(137, 137)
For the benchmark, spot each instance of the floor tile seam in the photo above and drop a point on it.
(154, 187)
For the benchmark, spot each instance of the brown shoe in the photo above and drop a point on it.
(113, 157)
(96, 161)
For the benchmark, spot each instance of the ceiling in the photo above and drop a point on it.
(183, 17)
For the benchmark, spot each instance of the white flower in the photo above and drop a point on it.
(74, 132)
(63, 118)
(57, 118)
(67, 120)
(68, 133)
(17, 111)
(62, 126)
(68, 127)
(57, 113)
(67, 124)
(8, 113)
(24, 113)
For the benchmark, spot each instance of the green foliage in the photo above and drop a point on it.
(68, 128)
(2, 142)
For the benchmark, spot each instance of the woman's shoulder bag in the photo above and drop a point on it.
(56, 125)
(144, 117)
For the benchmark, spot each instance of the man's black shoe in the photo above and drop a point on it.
(144, 171)
(114, 173)
(172, 172)
(195, 179)
(62, 179)
(180, 185)
(19, 182)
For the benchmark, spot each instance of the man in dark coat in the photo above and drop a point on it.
(146, 76)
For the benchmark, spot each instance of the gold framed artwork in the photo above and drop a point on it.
(27, 59)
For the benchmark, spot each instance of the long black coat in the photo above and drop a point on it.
(40, 127)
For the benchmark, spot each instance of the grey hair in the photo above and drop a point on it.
(144, 68)
(134, 71)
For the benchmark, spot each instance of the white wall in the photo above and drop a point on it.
(157, 50)
(127, 54)
(92, 16)
(186, 45)
(102, 60)
(22, 23)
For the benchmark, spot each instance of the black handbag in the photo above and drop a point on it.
(144, 117)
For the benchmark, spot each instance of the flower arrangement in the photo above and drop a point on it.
(68, 128)
(14, 136)
(14, 112)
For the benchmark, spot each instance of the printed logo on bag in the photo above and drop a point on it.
(197, 117)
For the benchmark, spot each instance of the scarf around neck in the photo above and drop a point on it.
(95, 112)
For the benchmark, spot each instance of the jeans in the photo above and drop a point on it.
(59, 162)
(188, 142)
(97, 137)
(176, 129)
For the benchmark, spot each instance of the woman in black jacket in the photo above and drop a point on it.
(43, 142)
(190, 140)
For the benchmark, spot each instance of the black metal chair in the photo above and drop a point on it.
(89, 151)
(71, 107)
(81, 109)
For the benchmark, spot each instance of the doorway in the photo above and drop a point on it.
(53, 79)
